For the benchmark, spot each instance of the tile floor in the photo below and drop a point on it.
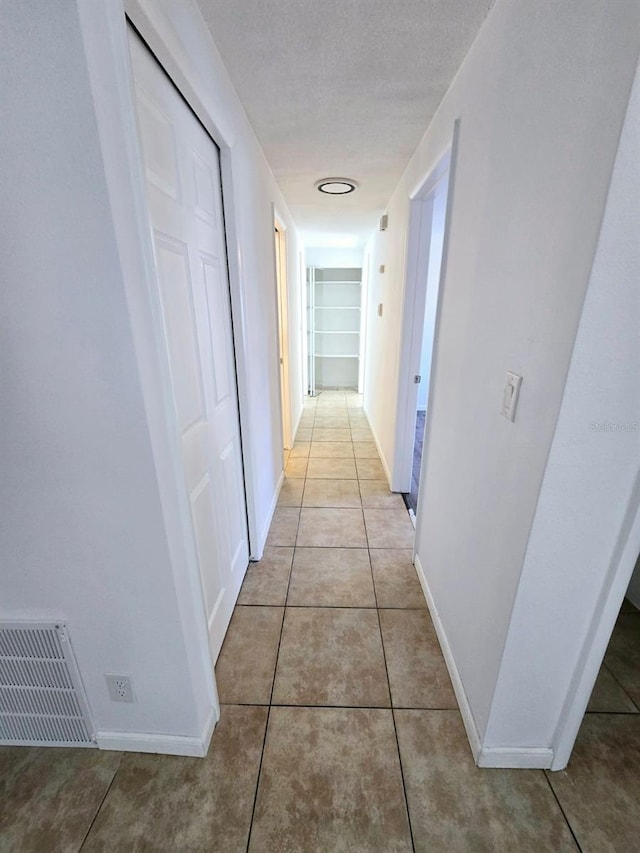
(339, 727)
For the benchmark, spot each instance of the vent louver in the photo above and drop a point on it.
(42, 701)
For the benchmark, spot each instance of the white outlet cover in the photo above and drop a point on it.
(120, 689)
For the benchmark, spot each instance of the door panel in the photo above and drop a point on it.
(185, 206)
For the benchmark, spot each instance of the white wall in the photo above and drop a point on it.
(81, 524)
(541, 97)
(333, 257)
(589, 484)
(87, 499)
(439, 211)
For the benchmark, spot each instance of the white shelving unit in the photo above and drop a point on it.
(334, 323)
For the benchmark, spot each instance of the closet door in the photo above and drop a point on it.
(185, 207)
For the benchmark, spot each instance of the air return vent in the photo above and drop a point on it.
(41, 697)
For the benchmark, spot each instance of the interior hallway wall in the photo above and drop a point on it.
(83, 530)
(81, 524)
(592, 480)
(541, 97)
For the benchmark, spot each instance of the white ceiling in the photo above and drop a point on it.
(341, 88)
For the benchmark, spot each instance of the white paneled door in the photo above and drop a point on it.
(182, 170)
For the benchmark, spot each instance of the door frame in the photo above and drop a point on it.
(598, 635)
(418, 254)
(282, 308)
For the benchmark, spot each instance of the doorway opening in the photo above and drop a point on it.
(425, 273)
(283, 335)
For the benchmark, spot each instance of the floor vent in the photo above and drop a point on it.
(42, 702)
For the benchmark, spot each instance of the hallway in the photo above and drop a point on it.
(339, 728)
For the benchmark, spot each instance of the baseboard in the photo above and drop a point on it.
(195, 747)
(463, 703)
(503, 756)
(380, 453)
(257, 555)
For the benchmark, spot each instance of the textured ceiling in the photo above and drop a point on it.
(341, 88)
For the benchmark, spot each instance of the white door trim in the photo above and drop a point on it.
(418, 248)
(282, 307)
(169, 53)
(598, 635)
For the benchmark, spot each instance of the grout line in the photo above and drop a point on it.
(393, 716)
(98, 810)
(273, 682)
(620, 685)
(562, 811)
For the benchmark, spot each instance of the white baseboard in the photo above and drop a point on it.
(380, 453)
(488, 756)
(257, 555)
(196, 747)
(505, 756)
(461, 696)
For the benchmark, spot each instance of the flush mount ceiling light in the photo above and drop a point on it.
(336, 186)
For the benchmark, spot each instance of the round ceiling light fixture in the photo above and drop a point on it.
(336, 186)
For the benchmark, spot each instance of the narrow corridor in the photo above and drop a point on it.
(339, 727)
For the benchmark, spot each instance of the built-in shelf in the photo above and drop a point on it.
(333, 299)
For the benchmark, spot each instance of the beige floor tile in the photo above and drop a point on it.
(266, 581)
(304, 433)
(331, 493)
(417, 672)
(331, 450)
(358, 419)
(608, 696)
(331, 528)
(331, 435)
(300, 450)
(296, 468)
(333, 406)
(370, 469)
(330, 781)
(599, 791)
(365, 450)
(50, 796)
(623, 654)
(459, 808)
(376, 495)
(331, 469)
(331, 656)
(171, 803)
(331, 577)
(361, 434)
(284, 526)
(247, 660)
(291, 493)
(331, 423)
(395, 579)
(389, 528)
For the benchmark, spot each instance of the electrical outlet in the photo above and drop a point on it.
(120, 689)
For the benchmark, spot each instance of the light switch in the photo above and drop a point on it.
(379, 309)
(510, 396)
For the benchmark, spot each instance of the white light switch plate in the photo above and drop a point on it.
(510, 396)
